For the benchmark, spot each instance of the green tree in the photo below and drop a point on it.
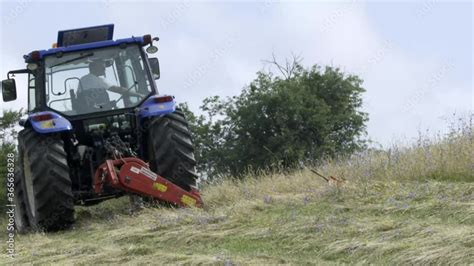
(281, 121)
(8, 136)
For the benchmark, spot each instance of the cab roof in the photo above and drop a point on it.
(83, 39)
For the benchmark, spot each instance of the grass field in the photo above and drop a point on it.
(403, 205)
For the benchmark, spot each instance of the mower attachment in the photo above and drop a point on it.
(133, 175)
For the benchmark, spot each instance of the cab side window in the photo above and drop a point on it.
(31, 92)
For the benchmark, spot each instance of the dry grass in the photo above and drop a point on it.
(405, 205)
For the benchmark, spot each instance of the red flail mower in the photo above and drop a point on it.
(133, 175)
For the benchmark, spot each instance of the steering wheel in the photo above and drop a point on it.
(123, 91)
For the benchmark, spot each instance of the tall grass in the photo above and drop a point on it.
(448, 158)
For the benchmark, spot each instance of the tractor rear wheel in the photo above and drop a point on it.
(21, 216)
(171, 150)
(45, 182)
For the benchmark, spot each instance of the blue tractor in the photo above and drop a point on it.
(97, 129)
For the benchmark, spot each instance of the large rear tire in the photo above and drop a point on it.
(171, 150)
(21, 217)
(45, 181)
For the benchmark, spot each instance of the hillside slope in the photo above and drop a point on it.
(412, 205)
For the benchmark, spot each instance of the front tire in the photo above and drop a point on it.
(45, 181)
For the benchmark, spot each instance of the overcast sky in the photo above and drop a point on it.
(415, 58)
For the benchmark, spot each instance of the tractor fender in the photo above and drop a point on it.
(157, 105)
(48, 122)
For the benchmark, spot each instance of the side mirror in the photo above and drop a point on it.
(155, 67)
(8, 90)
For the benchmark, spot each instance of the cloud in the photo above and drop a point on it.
(216, 48)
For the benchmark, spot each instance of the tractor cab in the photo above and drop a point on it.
(86, 72)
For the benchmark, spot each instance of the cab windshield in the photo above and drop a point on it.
(96, 80)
